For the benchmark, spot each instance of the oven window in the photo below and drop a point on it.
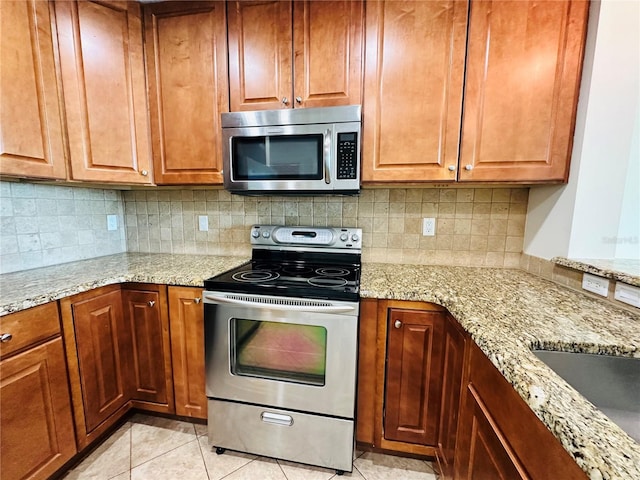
(278, 351)
(286, 157)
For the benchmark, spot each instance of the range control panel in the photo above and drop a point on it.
(317, 237)
(347, 155)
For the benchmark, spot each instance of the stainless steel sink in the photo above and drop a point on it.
(611, 383)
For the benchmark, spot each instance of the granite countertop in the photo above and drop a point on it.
(509, 312)
(506, 312)
(623, 270)
(29, 288)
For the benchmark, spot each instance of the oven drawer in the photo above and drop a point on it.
(298, 437)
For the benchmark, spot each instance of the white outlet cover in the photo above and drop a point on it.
(627, 294)
(595, 284)
(428, 227)
(203, 223)
(112, 222)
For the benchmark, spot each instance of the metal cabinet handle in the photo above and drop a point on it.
(298, 99)
(285, 101)
(468, 167)
(197, 300)
(397, 324)
(151, 303)
(144, 173)
(452, 168)
(5, 337)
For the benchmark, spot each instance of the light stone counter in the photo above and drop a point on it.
(509, 312)
(623, 270)
(21, 290)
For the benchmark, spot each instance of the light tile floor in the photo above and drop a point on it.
(155, 448)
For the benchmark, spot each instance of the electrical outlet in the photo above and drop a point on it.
(627, 294)
(203, 223)
(595, 284)
(428, 227)
(112, 222)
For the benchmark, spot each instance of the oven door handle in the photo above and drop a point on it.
(289, 308)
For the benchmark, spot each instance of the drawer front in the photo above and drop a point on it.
(29, 327)
(295, 436)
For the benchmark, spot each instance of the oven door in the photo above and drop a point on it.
(282, 352)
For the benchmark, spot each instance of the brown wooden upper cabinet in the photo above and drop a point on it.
(31, 137)
(520, 90)
(285, 54)
(413, 84)
(188, 89)
(103, 76)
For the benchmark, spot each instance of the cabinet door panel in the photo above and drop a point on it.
(101, 342)
(413, 381)
(414, 69)
(186, 314)
(31, 137)
(260, 54)
(105, 91)
(189, 88)
(143, 312)
(36, 428)
(327, 46)
(488, 455)
(523, 73)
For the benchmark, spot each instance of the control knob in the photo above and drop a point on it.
(355, 237)
(344, 237)
(265, 234)
(255, 233)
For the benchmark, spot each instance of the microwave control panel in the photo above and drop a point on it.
(347, 158)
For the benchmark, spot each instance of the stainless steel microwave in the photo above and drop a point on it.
(292, 151)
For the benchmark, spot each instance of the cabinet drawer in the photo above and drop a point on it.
(29, 327)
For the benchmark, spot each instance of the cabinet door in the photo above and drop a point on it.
(36, 427)
(104, 89)
(31, 137)
(145, 315)
(413, 83)
(487, 454)
(188, 89)
(413, 377)
(524, 64)
(186, 315)
(327, 44)
(260, 54)
(103, 350)
(453, 355)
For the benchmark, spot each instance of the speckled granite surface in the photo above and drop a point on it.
(21, 290)
(508, 312)
(627, 271)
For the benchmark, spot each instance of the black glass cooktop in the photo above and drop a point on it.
(293, 276)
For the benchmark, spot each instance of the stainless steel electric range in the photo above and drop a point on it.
(281, 347)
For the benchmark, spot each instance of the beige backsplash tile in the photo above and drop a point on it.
(474, 226)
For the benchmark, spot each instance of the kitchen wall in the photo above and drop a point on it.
(475, 226)
(595, 215)
(43, 225)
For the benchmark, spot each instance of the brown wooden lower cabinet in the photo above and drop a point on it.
(99, 356)
(36, 425)
(146, 317)
(455, 340)
(186, 311)
(499, 437)
(400, 376)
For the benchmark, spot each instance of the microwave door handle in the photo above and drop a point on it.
(327, 156)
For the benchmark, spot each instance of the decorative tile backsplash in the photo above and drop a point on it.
(49, 224)
(474, 226)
